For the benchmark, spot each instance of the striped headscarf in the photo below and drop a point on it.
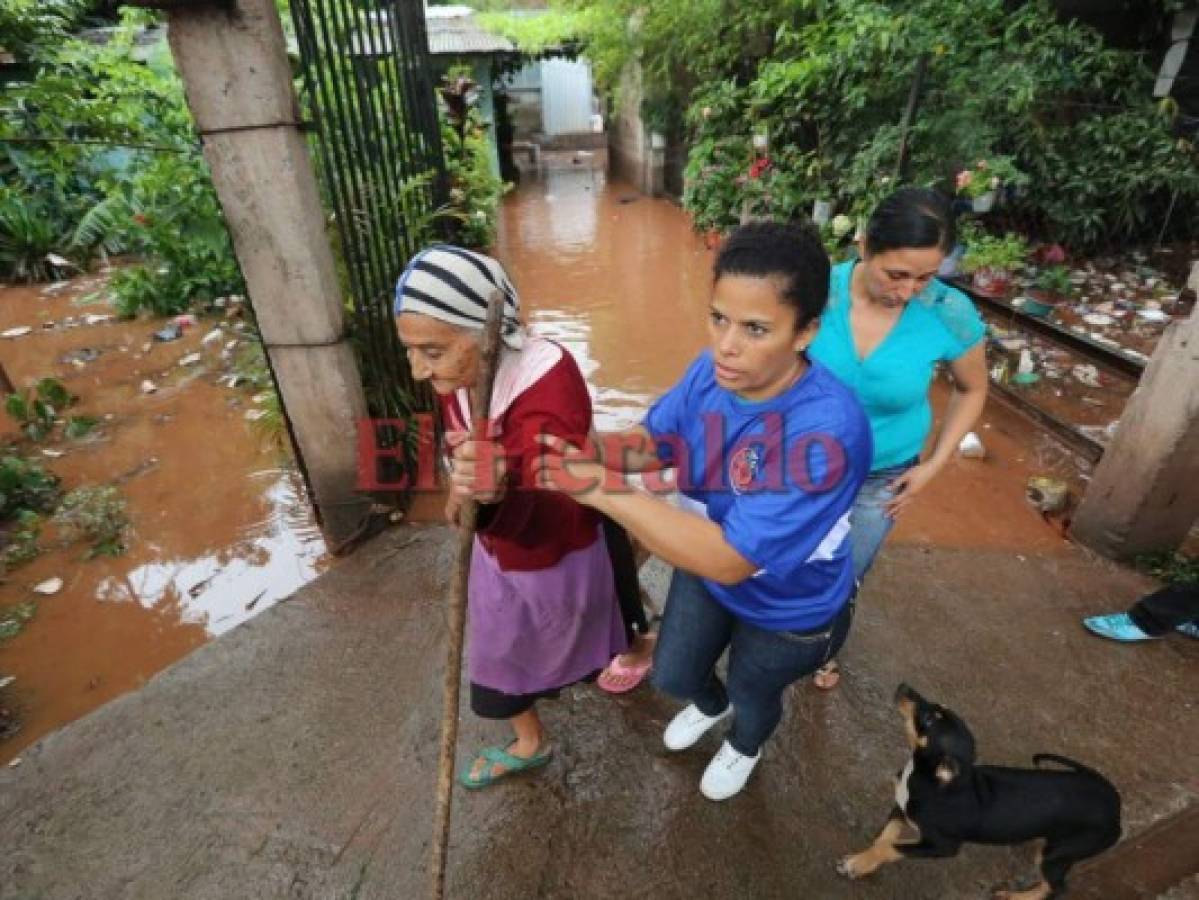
(453, 285)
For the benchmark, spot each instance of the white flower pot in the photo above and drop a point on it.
(984, 202)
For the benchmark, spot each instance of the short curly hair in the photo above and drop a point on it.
(791, 252)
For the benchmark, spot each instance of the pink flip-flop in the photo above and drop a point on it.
(619, 678)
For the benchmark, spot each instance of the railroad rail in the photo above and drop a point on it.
(1118, 361)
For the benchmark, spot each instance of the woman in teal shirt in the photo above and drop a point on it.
(888, 324)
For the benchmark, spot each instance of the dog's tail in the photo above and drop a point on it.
(1039, 758)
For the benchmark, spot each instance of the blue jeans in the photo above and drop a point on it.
(762, 664)
(869, 524)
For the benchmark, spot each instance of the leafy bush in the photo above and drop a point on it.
(25, 486)
(16, 617)
(26, 491)
(29, 234)
(122, 172)
(37, 409)
(996, 253)
(475, 192)
(829, 80)
(95, 514)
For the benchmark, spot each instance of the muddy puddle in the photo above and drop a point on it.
(220, 529)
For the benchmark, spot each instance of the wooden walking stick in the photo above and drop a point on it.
(480, 405)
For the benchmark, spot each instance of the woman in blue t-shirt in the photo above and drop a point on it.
(888, 324)
(770, 450)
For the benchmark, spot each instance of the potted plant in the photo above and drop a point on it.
(990, 261)
(981, 184)
(1052, 286)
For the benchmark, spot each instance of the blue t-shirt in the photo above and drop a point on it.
(892, 383)
(779, 476)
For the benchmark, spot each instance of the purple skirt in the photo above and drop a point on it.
(542, 629)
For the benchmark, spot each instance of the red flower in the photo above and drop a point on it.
(759, 167)
(141, 219)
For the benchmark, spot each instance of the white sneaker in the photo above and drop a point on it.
(689, 726)
(727, 773)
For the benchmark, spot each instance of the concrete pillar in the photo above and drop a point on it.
(635, 153)
(238, 81)
(1144, 496)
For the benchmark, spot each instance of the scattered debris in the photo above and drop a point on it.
(212, 337)
(6, 680)
(53, 454)
(1098, 319)
(48, 587)
(1087, 374)
(81, 357)
(253, 415)
(96, 319)
(14, 762)
(19, 331)
(1049, 495)
(171, 332)
(149, 387)
(190, 360)
(187, 320)
(971, 447)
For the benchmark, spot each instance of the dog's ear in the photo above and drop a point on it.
(948, 769)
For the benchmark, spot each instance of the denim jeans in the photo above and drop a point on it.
(695, 632)
(869, 523)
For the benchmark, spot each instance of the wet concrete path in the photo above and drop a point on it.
(295, 756)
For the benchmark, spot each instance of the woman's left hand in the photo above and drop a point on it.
(564, 468)
(907, 486)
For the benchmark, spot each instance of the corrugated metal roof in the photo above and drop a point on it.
(461, 34)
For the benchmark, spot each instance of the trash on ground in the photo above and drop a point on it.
(190, 360)
(253, 415)
(96, 319)
(187, 320)
(19, 331)
(212, 337)
(6, 680)
(48, 587)
(148, 387)
(1087, 374)
(1047, 494)
(171, 332)
(971, 447)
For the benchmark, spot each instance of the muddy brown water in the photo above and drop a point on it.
(219, 528)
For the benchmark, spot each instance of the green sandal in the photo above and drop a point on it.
(512, 765)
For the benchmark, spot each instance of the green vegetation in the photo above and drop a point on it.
(1000, 254)
(1088, 157)
(103, 147)
(475, 192)
(96, 514)
(14, 618)
(1172, 568)
(27, 491)
(37, 409)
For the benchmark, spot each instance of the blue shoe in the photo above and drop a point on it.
(1117, 627)
(1190, 629)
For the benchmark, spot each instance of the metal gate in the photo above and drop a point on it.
(366, 85)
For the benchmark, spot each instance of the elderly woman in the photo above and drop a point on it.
(542, 609)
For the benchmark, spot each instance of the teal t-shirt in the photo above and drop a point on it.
(892, 383)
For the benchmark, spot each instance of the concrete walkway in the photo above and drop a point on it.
(295, 756)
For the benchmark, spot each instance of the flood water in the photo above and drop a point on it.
(220, 529)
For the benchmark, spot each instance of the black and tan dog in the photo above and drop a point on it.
(943, 800)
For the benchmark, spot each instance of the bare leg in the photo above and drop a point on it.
(529, 739)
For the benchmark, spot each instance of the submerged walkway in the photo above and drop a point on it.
(295, 756)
